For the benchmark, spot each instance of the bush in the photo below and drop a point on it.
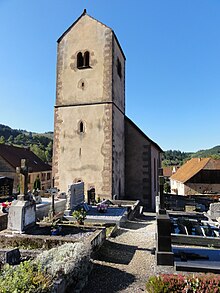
(201, 283)
(70, 261)
(27, 277)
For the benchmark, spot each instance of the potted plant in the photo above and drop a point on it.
(80, 216)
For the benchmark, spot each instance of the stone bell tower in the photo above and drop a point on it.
(89, 112)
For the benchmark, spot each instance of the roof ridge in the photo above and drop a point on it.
(72, 25)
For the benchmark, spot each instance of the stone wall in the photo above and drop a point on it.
(137, 166)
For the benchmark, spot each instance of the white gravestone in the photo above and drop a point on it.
(22, 214)
(75, 195)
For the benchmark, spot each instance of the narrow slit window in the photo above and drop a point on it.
(81, 127)
(119, 67)
(79, 60)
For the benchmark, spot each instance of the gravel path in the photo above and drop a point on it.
(125, 262)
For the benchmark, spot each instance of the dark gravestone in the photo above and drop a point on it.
(13, 257)
(164, 252)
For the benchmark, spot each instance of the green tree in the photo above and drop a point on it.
(2, 139)
(11, 139)
(49, 152)
(38, 152)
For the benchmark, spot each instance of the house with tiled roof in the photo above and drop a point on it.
(197, 176)
(10, 159)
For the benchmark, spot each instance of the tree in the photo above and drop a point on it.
(2, 139)
(38, 152)
(10, 139)
(49, 152)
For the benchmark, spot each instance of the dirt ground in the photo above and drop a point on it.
(125, 261)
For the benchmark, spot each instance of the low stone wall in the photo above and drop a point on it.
(47, 242)
(98, 238)
(33, 241)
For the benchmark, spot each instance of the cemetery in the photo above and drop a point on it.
(39, 223)
(188, 240)
(42, 223)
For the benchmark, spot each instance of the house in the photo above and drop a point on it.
(94, 141)
(10, 158)
(197, 176)
(168, 171)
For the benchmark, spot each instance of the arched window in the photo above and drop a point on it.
(81, 127)
(83, 60)
(79, 60)
(86, 59)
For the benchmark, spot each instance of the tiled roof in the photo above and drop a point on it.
(13, 156)
(168, 171)
(192, 167)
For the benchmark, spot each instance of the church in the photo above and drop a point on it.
(94, 141)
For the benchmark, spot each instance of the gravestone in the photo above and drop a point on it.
(13, 257)
(75, 195)
(164, 252)
(22, 212)
(91, 196)
(214, 210)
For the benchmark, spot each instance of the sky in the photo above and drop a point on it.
(172, 50)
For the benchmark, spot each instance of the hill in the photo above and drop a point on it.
(178, 158)
(213, 152)
(40, 143)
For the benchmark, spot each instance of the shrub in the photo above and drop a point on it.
(79, 215)
(201, 283)
(26, 277)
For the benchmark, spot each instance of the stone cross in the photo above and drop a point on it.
(23, 171)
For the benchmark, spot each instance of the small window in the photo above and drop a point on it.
(119, 67)
(81, 127)
(79, 60)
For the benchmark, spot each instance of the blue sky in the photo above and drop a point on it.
(172, 69)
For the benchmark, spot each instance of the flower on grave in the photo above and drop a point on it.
(102, 207)
(5, 206)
